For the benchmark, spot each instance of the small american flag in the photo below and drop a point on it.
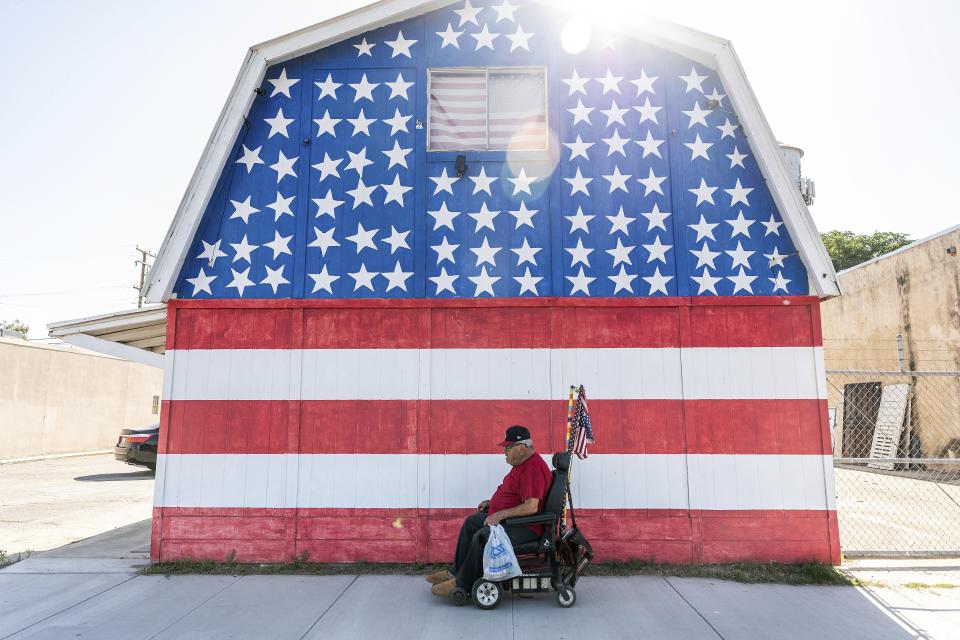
(584, 430)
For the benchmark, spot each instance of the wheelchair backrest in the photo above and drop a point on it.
(557, 493)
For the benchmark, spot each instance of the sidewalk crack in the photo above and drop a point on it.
(335, 601)
(697, 611)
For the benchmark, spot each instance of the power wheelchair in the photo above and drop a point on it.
(554, 562)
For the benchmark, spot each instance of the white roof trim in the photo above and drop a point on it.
(131, 334)
(711, 51)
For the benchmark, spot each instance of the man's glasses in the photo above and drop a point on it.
(511, 446)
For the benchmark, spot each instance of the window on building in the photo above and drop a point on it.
(487, 109)
(156, 405)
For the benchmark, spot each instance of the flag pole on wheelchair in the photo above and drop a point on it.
(578, 436)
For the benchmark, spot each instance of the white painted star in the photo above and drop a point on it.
(364, 49)
(468, 14)
(742, 282)
(482, 182)
(650, 145)
(395, 191)
(275, 278)
(580, 282)
(621, 253)
(658, 282)
(361, 124)
(443, 182)
(579, 148)
(202, 282)
(776, 258)
(576, 84)
(655, 218)
(615, 114)
(444, 281)
(398, 155)
(779, 282)
(578, 183)
(740, 256)
(657, 250)
(617, 180)
(250, 158)
(523, 215)
(622, 281)
(521, 184)
(211, 252)
(520, 39)
(397, 279)
(740, 225)
(449, 37)
(400, 46)
(579, 254)
(772, 226)
(647, 111)
(326, 124)
(240, 280)
(445, 250)
(704, 193)
(505, 11)
(697, 115)
(243, 210)
(323, 240)
(484, 282)
(328, 167)
(704, 229)
(619, 222)
(694, 81)
(364, 89)
(327, 205)
(399, 88)
(485, 253)
(397, 123)
(579, 221)
(279, 245)
(528, 283)
(526, 253)
(243, 249)
(727, 129)
(281, 206)
(716, 97)
(278, 124)
(323, 280)
(362, 278)
(396, 240)
(616, 144)
(610, 82)
(358, 161)
(363, 238)
(652, 183)
(739, 193)
(284, 166)
(736, 158)
(705, 256)
(644, 83)
(698, 149)
(580, 112)
(484, 38)
(362, 193)
(282, 84)
(443, 217)
(706, 282)
(484, 218)
(328, 88)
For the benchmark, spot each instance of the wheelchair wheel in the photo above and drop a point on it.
(486, 594)
(566, 597)
(460, 597)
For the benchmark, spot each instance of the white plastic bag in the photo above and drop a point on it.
(499, 561)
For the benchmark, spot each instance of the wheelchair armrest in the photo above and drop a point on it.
(540, 518)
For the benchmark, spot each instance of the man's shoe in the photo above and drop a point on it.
(444, 589)
(439, 577)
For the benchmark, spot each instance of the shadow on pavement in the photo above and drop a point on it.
(146, 474)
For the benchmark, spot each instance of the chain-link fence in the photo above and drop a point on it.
(896, 443)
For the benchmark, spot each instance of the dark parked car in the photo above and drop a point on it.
(138, 446)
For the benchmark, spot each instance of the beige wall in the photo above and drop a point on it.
(915, 293)
(60, 399)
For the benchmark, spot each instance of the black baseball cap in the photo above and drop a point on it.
(516, 433)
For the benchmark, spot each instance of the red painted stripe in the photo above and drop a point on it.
(267, 325)
(411, 535)
(473, 427)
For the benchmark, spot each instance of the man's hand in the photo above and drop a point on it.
(493, 518)
(483, 506)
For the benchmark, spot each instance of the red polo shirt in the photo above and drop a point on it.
(529, 479)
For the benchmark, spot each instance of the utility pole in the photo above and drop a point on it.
(144, 267)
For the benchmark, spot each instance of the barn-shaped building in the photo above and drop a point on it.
(419, 223)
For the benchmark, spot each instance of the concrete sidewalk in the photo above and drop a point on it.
(90, 590)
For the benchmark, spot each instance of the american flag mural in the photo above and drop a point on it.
(355, 324)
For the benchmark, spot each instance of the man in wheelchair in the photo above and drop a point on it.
(529, 503)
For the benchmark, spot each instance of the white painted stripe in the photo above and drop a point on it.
(495, 374)
(623, 481)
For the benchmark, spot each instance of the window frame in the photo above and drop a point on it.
(487, 70)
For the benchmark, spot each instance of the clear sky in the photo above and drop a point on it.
(105, 108)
